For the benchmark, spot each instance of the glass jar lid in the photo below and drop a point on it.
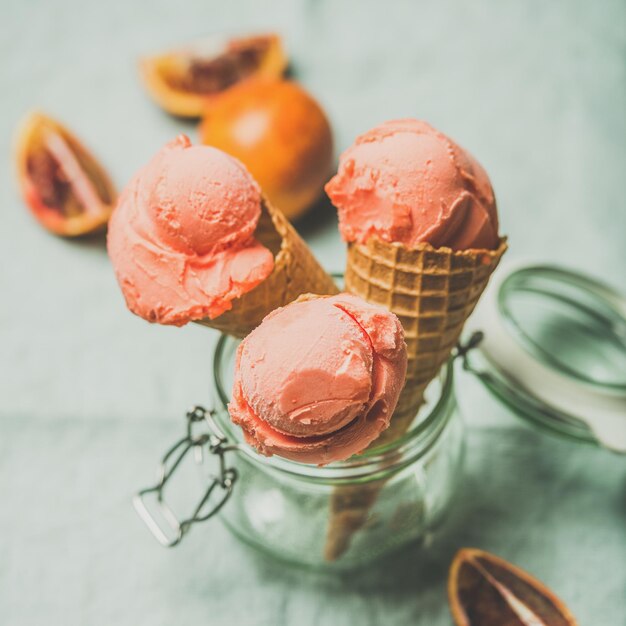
(553, 349)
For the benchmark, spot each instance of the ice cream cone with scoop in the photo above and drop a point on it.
(420, 219)
(319, 379)
(192, 239)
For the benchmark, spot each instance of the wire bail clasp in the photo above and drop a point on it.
(462, 349)
(169, 531)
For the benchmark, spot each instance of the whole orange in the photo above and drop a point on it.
(280, 133)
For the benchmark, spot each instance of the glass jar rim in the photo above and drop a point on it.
(372, 464)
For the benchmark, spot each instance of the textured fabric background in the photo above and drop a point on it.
(91, 396)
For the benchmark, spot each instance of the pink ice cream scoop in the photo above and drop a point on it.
(319, 379)
(181, 237)
(406, 182)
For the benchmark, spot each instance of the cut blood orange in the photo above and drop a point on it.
(67, 190)
(485, 590)
(182, 81)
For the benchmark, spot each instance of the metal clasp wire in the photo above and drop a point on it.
(463, 348)
(173, 531)
(462, 351)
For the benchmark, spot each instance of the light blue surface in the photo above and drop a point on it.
(91, 396)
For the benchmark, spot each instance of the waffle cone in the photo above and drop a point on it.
(432, 291)
(296, 271)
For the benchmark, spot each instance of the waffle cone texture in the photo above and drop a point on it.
(296, 271)
(432, 291)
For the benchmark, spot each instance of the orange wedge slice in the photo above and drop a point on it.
(182, 81)
(485, 590)
(64, 186)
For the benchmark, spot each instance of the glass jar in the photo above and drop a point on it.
(338, 516)
(344, 514)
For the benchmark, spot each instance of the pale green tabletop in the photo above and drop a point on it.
(90, 396)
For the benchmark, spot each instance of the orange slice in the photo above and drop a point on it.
(485, 590)
(182, 81)
(64, 186)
